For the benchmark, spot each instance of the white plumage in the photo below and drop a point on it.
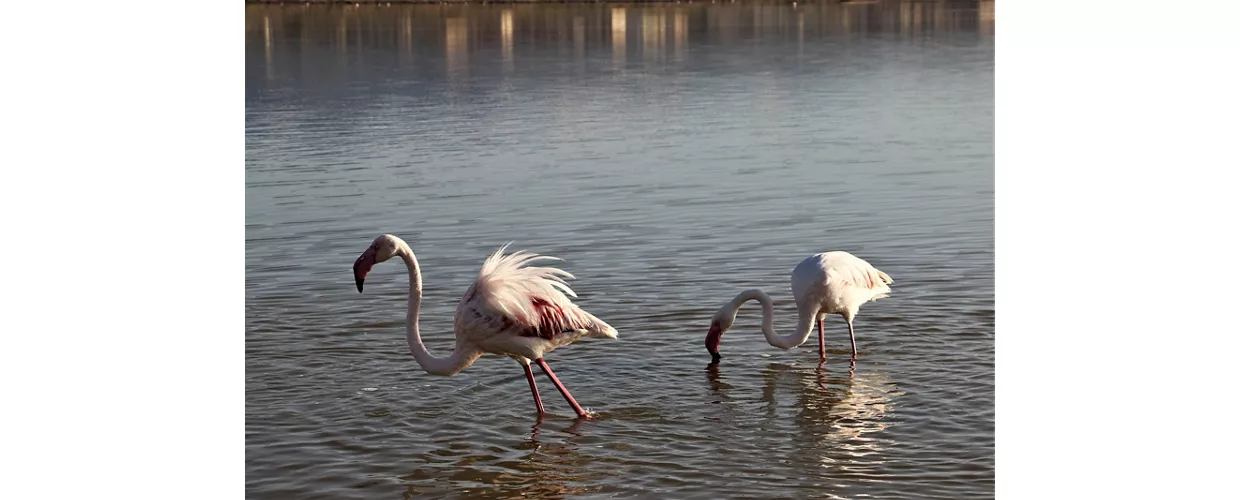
(523, 311)
(513, 308)
(825, 283)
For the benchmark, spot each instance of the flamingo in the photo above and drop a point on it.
(825, 283)
(511, 309)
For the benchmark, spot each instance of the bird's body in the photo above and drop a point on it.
(523, 312)
(512, 309)
(825, 283)
(838, 282)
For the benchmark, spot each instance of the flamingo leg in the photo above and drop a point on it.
(563, 390)
(822, 342)
(529, 375)
(852, 337)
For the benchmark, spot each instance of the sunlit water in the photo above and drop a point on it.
(673, 155)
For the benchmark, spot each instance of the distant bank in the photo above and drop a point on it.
(482, 2)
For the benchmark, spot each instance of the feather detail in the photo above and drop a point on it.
(528, 300)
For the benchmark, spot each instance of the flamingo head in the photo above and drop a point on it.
(383, 248)
(720, 323)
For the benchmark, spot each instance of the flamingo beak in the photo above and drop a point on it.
(362, 266)
(712, 342)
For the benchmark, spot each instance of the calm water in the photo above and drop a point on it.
(673, 156)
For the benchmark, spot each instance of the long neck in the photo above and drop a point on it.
(460, 357)
(805, 319)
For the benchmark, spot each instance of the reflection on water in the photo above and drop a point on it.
(680, 33)
(555, 466)
(842, 412)
(652, 30)
(579, 38)
(406, 41)
(673, 154)
(836, 416)
(267, 46)
(408, 26)
(618, 35)
(834, 409)
(548, 464)
(456, 43)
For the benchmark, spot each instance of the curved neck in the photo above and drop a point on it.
(460, 357)
(805, 319)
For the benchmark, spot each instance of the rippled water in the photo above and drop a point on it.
(673, 155)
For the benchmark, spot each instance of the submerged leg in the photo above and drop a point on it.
(822, 342)
(852, 337)
(564, 391)
(529, 375)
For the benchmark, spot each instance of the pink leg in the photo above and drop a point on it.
(822, 343)
(529, 375)
(567, 397)
(852, 337)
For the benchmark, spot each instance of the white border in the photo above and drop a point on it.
(123, 196)
(1115, 212)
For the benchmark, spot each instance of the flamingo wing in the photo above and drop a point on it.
(849, 270)
(510, 296)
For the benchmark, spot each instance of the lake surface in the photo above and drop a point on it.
(673, 155)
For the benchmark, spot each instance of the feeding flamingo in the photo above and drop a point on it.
(825, 283)
(512, 309)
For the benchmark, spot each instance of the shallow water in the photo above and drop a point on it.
(673, 155)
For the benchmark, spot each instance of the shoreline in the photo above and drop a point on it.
(543, 2)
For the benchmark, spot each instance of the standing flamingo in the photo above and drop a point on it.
(831, 282)
(512, 309)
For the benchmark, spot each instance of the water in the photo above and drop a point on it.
(673, 155)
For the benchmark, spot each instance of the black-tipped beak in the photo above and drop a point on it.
(712, 342)
(362, 266)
